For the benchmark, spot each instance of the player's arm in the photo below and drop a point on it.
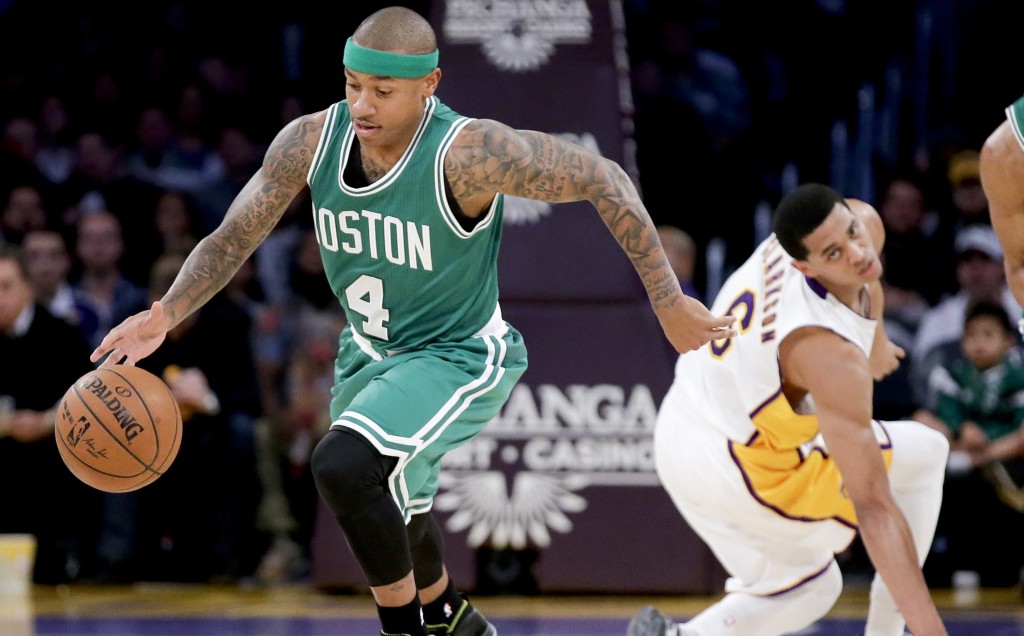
(249, 220)
(837, 375)
(871, 220)
(1002, 177)
(214, 261)
(489, 157)
(885, 354)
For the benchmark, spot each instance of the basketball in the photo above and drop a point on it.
(118, 428)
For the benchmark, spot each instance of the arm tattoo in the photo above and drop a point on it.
(489, 157)
(249, 220)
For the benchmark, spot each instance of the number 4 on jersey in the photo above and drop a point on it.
(366, 296)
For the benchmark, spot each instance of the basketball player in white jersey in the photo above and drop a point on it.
(1002, 177)
(767, 446)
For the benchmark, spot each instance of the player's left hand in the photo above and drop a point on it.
(688, 324)
(886, 359)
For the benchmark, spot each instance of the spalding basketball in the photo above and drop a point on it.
(118, 428)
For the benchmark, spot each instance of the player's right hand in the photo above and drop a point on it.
(135, 338)
(689, 324)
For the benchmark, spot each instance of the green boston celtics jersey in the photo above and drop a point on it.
(1015, 115)
(405, 270)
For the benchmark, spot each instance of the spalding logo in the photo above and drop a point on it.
(124, 417)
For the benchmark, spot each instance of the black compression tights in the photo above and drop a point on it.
(427, 549)
(352, 478)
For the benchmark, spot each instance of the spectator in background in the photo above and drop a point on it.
(24, 210)
(55, 155)
(101, 284)
(48, 265)
(19, 149)
(99, 182)
(43, 356)
(969, 205)
(196, 127)
(980, 409)
(979, 273)
(240, 157)
(160, 158)
(176, 223)
(917, 271)
(681, 251)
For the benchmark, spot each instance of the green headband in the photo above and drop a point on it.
(366, 60)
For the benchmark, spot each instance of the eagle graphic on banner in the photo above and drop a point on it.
(482, 505)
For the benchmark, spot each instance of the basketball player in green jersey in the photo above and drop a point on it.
(407, 204)
(1002, 177)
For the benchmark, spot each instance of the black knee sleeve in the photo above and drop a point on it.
(427, 544)
(351, 477)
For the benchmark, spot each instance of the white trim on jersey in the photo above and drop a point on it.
(496, 325)
(461, 399)
(321, 144)
(1012, 118)
(364, 344)
(361, 424)
(396, 170)
(439, 186)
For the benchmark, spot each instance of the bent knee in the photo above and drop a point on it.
(933, 444)
(348, 472)
(831, 585)
(819, 595)
(919, 452)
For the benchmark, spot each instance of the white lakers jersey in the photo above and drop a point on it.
(738, 380)
(735, 386)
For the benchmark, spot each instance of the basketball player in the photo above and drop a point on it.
(407, 200)
(766, 443)
(1002, 178)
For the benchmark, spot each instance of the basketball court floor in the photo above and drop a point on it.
(185, 610)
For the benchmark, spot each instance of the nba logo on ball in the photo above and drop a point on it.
(118, 428)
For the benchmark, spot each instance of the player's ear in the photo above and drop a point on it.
(804, 268)
(431, 81)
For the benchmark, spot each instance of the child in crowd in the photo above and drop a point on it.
(980, 408)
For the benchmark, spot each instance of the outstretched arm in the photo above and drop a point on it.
(885, 354)
(213, 262)
(489, 157)
(1002, 177)
(837, 375)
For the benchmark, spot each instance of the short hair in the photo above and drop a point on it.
(396, 30)
(800, 212)
(990, 309)
(13, 252)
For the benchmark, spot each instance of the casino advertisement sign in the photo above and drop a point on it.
(527, 477)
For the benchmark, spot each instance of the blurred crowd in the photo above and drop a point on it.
(121, 149)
